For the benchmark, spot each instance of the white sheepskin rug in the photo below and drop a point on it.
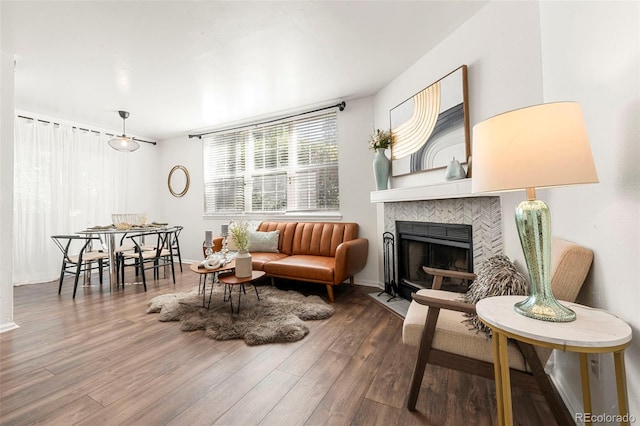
(277, 317)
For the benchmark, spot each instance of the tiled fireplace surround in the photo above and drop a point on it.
(482, 213)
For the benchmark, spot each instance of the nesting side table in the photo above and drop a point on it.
(231, 280)
(593, 331)
(204, 273)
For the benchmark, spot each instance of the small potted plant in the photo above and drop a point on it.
(240, 235)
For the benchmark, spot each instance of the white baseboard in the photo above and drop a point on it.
(8, 326)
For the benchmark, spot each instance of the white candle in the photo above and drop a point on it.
(208, 238)
(224, 230)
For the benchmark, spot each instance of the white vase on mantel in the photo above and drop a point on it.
(243, 264)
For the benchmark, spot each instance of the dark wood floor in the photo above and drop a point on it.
(99, 359)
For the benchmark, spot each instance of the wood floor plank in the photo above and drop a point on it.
(318, 343)
(126, 407)
(472, 399)
(100, 359)
(223, 397)
(388, 387)
(257, 403)
(372, 413)
(345, 396)
(180, 399)
(298, 405)
(71, 413)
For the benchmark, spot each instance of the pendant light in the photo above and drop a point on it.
(123, 143)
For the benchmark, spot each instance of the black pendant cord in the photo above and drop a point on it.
(341, 106)
(86, 130)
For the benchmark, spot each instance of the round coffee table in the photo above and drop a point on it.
(204, 272)
(231, 280)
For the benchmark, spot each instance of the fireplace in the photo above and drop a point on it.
(437, 245)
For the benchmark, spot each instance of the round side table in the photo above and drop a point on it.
(231, 280)
(593, 331)
(204, 273)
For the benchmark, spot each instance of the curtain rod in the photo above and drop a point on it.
(340, 106)
(81, 128)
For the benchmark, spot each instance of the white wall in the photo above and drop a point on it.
(6, 190)
(356, 182)
(589, 53)
(501, 47)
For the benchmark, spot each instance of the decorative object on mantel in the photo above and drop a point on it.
(379, 141)
(538, 146)
(455, 171)
(240, 236)
(431, 126)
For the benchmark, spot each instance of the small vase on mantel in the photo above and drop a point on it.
(455, 171)
(243, 264)
(381, 169)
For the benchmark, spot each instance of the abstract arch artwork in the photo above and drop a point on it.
(432, 127)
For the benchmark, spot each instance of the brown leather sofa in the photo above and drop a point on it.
(319, 252)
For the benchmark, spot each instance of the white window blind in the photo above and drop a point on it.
(287, 167)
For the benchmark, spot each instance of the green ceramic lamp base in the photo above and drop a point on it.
(533, 221)
(545, 310)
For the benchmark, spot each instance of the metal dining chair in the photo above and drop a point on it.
(144, 258)
(78, 257)
(175, 244)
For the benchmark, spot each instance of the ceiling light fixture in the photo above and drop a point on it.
(123, 143)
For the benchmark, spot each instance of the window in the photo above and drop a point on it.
(287, 167)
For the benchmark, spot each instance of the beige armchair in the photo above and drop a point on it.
(434, 324)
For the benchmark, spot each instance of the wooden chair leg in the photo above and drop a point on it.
(549, 391)
(423, 357)
(351, 281)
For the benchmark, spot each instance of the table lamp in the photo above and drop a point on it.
(538, 146)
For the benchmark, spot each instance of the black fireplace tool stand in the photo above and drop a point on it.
(390, 285)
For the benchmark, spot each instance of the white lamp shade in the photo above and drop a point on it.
(539, 146)
(123, 144)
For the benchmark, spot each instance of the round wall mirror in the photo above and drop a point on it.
(178, 181)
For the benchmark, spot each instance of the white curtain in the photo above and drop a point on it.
(65, 180)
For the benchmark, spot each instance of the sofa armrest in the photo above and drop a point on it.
(351, 258)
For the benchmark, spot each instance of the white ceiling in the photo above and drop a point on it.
(180, 66)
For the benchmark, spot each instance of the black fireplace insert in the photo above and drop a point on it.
(437, 245)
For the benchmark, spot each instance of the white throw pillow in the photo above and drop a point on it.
(266, 242)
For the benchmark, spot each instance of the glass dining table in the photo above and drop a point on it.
(107, 235)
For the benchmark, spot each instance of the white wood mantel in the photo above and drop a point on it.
(438, 191)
